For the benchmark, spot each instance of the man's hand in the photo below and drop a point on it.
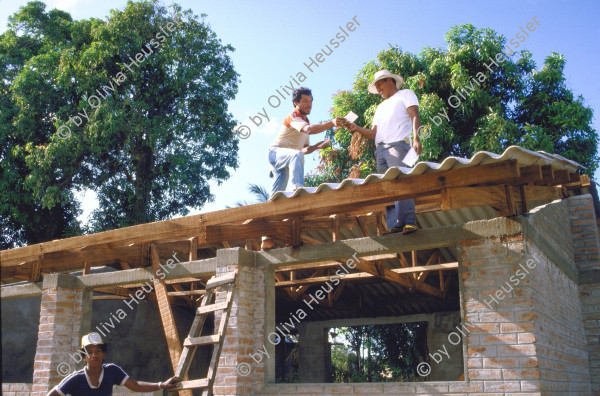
(418, 147)
(350, 126)
(339, 122)
(171, 383)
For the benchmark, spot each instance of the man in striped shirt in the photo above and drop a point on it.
(286, 153)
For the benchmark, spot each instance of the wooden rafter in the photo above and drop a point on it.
(166, 315)
(394, 275)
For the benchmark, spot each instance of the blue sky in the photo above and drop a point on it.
(273, 40)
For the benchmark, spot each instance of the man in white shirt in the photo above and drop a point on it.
(286, 153)
(394, 119)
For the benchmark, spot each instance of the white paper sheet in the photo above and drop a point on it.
(411, 157)
(351, 117)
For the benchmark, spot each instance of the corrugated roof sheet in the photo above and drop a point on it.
(523, 156)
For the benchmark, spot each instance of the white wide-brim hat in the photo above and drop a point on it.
(382, 74)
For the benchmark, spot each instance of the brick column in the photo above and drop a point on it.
(584, 232)
(238, 373)
(64, 316)
(501, 354)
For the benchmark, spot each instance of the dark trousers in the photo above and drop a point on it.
(402, 212)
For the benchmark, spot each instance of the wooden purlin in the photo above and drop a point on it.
(166, 315)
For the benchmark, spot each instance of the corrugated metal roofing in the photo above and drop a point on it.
(523, 156)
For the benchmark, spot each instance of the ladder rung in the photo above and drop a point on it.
(221, 280)
(192, 384)
(205, 340)
(212, 308)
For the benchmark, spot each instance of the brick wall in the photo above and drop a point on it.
(501, 349)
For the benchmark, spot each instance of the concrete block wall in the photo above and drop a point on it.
(9, 389)
(590, 307)
(585, 236)
(560, 339)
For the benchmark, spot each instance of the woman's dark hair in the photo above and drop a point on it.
(298, 92)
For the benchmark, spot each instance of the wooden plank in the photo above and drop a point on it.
(547, 175)
(186, 293)
(204, 340)
(360, 220)
(193, 256)
(166, 314)
(221, 280)
(331, 264)
(511, 210)
(36, 273)
(240, 232)
(335, 225)
(541, 195)
(462, 197)
(561, 177)
(295, 232)
(530, 174)
(193, 384)
(381, 225)
(211, 308)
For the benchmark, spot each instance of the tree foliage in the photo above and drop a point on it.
(509, 104)
(379, 353)
(156, 132)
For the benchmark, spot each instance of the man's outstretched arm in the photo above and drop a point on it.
(139, 386)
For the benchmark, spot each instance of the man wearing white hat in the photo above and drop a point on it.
(97, 378)
(394, 119)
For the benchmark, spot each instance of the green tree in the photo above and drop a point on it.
(151, 130)
(380, 353)
(511, 104)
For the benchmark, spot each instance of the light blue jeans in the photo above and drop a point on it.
(386, 156)
(283, 161)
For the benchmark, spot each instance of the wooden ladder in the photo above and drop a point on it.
(194, 339)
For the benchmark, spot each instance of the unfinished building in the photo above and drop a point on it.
(504, 273)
